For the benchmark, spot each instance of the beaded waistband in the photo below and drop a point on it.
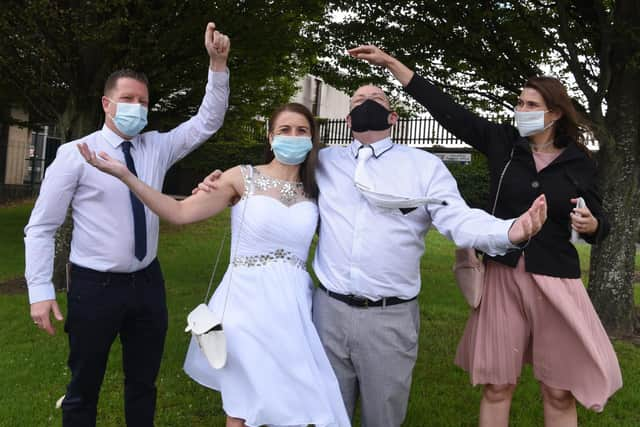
(279, 255)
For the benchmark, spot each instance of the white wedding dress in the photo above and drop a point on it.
(277, 372)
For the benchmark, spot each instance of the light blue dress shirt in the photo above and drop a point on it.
(103, 237)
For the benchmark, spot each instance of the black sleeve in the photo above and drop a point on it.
(593, 201)
(464, 124)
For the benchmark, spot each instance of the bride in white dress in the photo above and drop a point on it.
(277, 372)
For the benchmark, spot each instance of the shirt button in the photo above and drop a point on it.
(535, 184)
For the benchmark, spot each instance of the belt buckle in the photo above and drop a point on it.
(361, 301)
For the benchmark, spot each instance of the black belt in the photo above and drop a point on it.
(358, 301)
(111, 277)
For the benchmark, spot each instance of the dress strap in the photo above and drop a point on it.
(247, 175)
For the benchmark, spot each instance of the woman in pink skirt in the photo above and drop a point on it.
(535, 308)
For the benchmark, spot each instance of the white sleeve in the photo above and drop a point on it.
(185, 138)
(57, 190)
(467, 227)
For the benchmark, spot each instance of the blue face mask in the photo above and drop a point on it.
(291, 150)
(130, 119)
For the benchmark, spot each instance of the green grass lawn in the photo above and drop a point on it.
(33, 371)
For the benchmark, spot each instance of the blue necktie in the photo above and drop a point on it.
(139, 221)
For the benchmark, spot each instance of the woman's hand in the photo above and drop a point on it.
(376, 56)
(104, 162)
(530, 222)
(582, 220)
(372, 54)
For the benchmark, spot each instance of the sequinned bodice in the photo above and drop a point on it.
(273, 222)
(287, 192)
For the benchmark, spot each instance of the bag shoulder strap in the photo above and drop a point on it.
(504, 170)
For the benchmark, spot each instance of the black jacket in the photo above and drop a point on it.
(571, 174)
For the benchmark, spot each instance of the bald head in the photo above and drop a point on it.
(371, 92)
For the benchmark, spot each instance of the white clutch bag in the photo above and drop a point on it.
(207, 329)
(206, 326)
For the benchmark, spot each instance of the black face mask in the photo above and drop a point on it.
(369, 116)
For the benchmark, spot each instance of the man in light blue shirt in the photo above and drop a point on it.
(116, 286)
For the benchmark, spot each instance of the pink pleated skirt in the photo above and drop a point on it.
(546, 321)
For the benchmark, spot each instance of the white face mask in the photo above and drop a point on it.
(531, 122)
(384, 200)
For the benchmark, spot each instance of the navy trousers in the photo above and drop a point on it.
(102, 306)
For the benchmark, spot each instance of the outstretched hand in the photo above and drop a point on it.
(218, 46)
(376, 56)
(372, 54)
(104, 162)
(530, 222)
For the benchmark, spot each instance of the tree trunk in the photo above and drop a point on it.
(73, 124)
(612, 262)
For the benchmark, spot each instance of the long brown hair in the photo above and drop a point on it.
(572, 126)
(308, 167)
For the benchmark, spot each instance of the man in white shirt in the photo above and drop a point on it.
(377, 201)
(116, 285)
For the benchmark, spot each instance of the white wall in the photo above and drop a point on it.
(334, 104)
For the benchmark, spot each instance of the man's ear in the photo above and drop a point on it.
(348, 119)
(105, 104)
(393, 118)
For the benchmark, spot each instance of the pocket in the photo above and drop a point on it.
(403, 325)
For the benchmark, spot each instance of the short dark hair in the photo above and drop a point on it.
(113, 78)
(308, 167)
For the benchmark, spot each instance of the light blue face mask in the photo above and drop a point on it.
(291, 150)
(130, 119)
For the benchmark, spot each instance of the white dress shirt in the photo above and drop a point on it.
(375, 252)
(103, 236)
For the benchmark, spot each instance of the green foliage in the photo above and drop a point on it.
(473, 181)
(56, 56)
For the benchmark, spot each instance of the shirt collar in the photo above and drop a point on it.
(379, 147)
(115, 140)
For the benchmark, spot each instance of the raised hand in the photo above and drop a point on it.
(530, 222)
(376, 56)
(372, 54)
(218, 46)
(104, 162)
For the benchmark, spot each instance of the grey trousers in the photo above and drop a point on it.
(373, 352)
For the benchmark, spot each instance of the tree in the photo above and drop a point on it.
(55, 57)
(482, 52)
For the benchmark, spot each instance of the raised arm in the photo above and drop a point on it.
(192, 209)
(464, 124)
(376, 56)
(187, 136)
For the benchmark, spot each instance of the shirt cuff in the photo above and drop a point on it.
(41, 293)
(500, 243)
(218, 78)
